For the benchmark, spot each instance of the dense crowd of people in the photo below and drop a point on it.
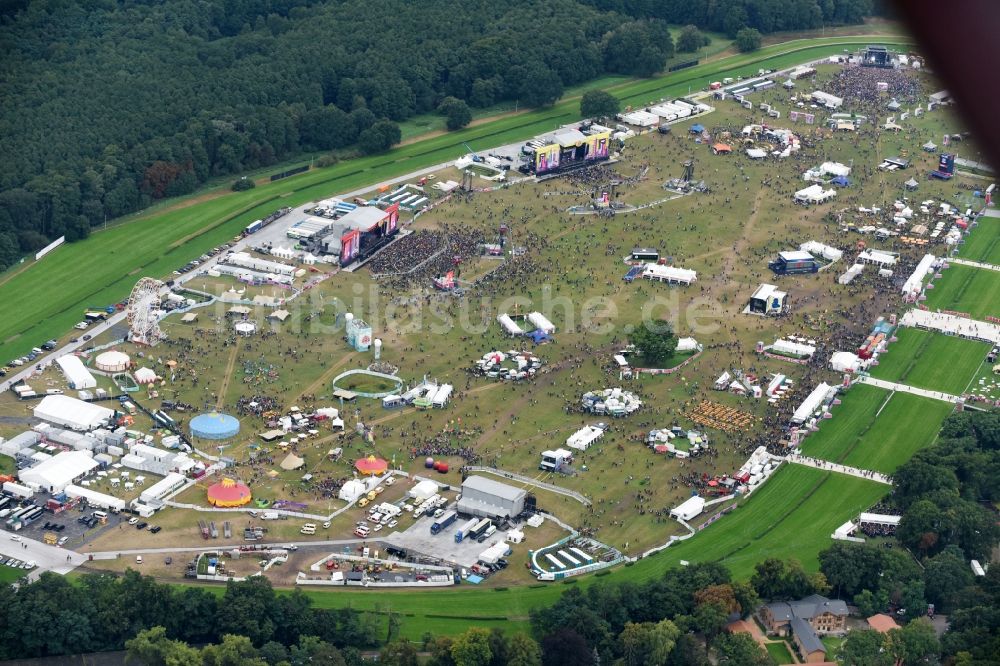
(859, 86)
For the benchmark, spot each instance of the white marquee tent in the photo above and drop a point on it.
(76, 373)
(59, 471)
(71, 413)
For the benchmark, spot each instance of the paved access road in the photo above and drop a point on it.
(48, 558)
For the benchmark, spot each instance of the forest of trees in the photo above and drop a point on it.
(55, 616)
(110, 105)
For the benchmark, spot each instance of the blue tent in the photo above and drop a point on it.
(697, 128)
(841, 181)
(539, 336)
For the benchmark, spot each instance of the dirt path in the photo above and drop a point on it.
(741, 245)
(325, 377)
(227, 377)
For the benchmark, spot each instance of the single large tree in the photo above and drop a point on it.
(748, 39)
(456, 111)
(599, 104)
(691, 39)
(380, 137)
(655, 342)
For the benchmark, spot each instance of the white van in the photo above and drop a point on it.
(100, 514)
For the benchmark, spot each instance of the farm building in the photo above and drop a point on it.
(72, 413)
(490, 499)
(59, 471)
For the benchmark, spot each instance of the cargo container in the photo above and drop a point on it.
(443, 521)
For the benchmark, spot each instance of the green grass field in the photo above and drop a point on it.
(9, 574)
(851, 418)
(975, 291)
(907, 424)
(793, 515)
(870, 433)
(983, 244)
(930, 360)
(779, 652)
(44, 300)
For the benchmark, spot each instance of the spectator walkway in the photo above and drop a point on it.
(905, 388)
(974, 264)
(878, 477)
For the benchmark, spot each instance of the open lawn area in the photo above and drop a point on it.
(779, 652)
(983, 244)
(930, 360)
(10, 574)
(975, 291)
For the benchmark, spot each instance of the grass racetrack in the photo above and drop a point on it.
(983, 244)
(851, 418)
(907, 424)
(43, 300)
(975, 291)
(930, 360)
(869, 433)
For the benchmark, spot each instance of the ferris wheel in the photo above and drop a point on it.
(143, 302)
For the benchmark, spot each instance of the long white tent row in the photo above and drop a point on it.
(541, 322)
(789, 348)
(95, 498)
(811, 403)
(689, 509)
(59, 471)
(669, 274)
(816, 248)
(915, 283)
(509, 325)
(247, 260)
(878, 258)
(76, 373)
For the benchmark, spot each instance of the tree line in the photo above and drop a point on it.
(54, 616)
(110, 105)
